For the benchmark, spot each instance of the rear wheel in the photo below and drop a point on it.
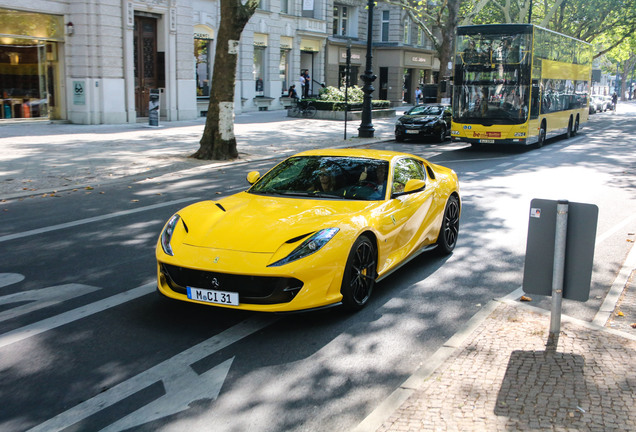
(575, 130)
(449, 231)
(359, 274)
(310, 112)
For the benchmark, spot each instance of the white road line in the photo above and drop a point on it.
(26, 332)
(91, 220)
(615, 229)
(166, 371)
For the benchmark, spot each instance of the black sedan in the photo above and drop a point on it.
(424, 121)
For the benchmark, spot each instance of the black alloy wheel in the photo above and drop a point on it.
(359, 274)
(442, 134)
(449, 231)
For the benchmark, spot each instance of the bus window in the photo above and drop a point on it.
(534, 104)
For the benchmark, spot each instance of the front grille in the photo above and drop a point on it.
(251, 289)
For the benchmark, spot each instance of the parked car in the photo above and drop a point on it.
(608, 105)
(319, 229)
(424, 121)
(596, 104)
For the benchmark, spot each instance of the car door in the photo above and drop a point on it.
(407, 217)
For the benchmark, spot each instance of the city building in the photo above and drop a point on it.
(114, 61)
(403, 57)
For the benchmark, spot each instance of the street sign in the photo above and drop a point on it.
(579, 249)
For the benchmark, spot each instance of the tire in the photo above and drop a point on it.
(575, 130)
(399, 138)
(568, 134)
(442, 136)
(310, 112)
(447, 238)
(359, 274)
(295, 112)
(541, 141)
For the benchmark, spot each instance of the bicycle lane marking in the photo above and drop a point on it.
(169, 372)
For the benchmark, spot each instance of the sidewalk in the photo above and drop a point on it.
(42, 157)
(497, 375)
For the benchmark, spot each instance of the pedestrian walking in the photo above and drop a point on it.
(302, 85)
(614, 101)
(418, 95)
(307, 83)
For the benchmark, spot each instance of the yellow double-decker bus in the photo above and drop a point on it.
(518, 84)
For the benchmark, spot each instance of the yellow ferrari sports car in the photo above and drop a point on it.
(318, 230)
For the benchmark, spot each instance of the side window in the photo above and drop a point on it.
(406, 169)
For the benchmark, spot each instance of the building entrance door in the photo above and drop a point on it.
(145, 53)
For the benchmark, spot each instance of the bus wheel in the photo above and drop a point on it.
(541, 140)
(568, 134)
(576, 126)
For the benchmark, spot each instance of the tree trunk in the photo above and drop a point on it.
(445, 51)
(218, 141)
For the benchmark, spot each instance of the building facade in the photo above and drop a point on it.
(403, 58)
(105, 62)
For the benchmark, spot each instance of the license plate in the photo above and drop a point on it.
(212, 296)
(485, 141)
(411, 131)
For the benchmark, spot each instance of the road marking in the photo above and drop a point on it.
(169, 372)
(615, 229)
(91, 220)
(182, 389)
(7, 279)
(34, 329)
(41, 298)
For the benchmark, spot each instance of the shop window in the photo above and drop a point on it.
(283, 71)
(259, 70)
(202, 51)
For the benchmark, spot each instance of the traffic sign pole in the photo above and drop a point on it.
(558, 268)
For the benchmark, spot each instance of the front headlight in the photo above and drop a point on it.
(309, 246)
(166, 235)
(398, 122)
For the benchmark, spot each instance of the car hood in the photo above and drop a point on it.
(417, 119)
(261, 224)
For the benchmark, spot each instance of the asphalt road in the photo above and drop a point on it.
(85, 344)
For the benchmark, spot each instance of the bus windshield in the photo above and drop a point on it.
(492, 78)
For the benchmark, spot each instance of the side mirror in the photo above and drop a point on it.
(414, 185)
(253, 176)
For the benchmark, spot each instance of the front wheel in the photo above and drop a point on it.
(541, 140)
(449, 231)
(442, 135)
(359, 274)
(295, 112)
(310, 112)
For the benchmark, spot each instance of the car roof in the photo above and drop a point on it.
(387, 155)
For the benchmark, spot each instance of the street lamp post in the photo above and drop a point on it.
(366, 129)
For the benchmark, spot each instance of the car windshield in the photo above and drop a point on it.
(332, 177)
(426, 110)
